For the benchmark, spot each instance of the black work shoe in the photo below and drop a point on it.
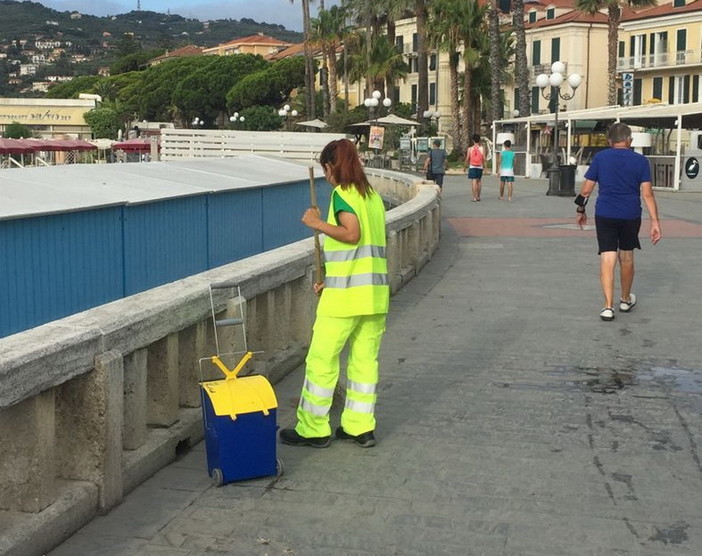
(365, 440)
(293, 438)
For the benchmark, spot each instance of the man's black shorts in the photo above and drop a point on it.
(614, 234)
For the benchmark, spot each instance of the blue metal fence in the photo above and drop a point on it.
(56, 265)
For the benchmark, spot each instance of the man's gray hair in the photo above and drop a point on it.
(619, 132)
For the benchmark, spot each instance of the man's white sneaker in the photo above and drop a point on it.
(626, 306)
(607, 314)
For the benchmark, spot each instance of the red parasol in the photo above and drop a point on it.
(14, 146)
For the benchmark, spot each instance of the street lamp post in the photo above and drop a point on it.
(373, 102)
(432, 115)
(285, 113)
(554, 81)
(234, 118)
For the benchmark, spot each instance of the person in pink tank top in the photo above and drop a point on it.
(475, 158)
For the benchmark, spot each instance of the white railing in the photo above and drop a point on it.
(659, 60)
(197, 143)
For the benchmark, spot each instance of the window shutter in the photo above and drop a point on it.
(555, 50)
(681, 40)
(535, 92)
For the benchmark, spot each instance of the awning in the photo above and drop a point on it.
(319, 124)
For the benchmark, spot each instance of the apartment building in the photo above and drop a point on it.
(555, 31)
(254, 44)
(660, 49)
(661, 46)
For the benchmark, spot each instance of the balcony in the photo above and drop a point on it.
(543, 68)
(408, 49)
(662, 60)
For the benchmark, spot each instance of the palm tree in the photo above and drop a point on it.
(421, 13)
(614, 12)
(494, 38)
(367, 14)
(473, 35)
(484, 75)
(392, 10)
(387, 64)
(329, 30)
(444, 34)
(521, 70)
(309, 62)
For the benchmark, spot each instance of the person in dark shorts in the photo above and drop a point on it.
(623, 177)
(474, 162)
(437, 162)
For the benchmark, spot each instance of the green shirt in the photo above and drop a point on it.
(340, 206)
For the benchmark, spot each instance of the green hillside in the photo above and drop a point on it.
(30, 20)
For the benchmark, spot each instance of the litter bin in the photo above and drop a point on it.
(561, 180)
(240, 427)
(567, 182)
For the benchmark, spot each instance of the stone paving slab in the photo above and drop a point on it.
(511, 420)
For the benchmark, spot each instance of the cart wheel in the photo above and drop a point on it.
(217, 477)
(279, 467)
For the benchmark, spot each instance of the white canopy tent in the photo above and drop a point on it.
(667, 116)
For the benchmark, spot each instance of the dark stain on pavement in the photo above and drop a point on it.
(674, 534)
(609, 381)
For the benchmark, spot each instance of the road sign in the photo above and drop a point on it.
(627, 88)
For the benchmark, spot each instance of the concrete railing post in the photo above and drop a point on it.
(162, 382)
(89, 418)
(192, 343)
(27, 460)
(394, 257)
(134, 428)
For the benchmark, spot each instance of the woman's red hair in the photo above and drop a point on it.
(342, 158)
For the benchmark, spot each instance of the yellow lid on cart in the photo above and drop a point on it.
(235, 396)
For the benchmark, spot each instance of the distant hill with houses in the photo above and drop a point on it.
(36, 40)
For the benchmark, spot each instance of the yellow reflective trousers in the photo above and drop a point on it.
(363, 334)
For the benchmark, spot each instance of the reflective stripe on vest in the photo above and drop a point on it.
(358, 253)
(356, 280)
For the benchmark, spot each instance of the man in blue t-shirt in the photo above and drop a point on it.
(623, 176)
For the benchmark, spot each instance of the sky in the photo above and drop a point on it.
(282, 12)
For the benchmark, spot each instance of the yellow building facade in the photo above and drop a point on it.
(48, 117)
(254, 44)
(661, 46)
(661, 49)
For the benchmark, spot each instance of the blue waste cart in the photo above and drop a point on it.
(240, 426)
(239, 413)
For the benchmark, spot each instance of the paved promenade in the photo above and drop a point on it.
(511, 420)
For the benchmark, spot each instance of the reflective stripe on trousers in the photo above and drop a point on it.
(363, 334)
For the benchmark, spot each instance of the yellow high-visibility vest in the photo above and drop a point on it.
(356, 281)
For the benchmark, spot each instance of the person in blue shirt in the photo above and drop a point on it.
(624, 176)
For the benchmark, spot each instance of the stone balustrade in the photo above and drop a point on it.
(93, 404)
